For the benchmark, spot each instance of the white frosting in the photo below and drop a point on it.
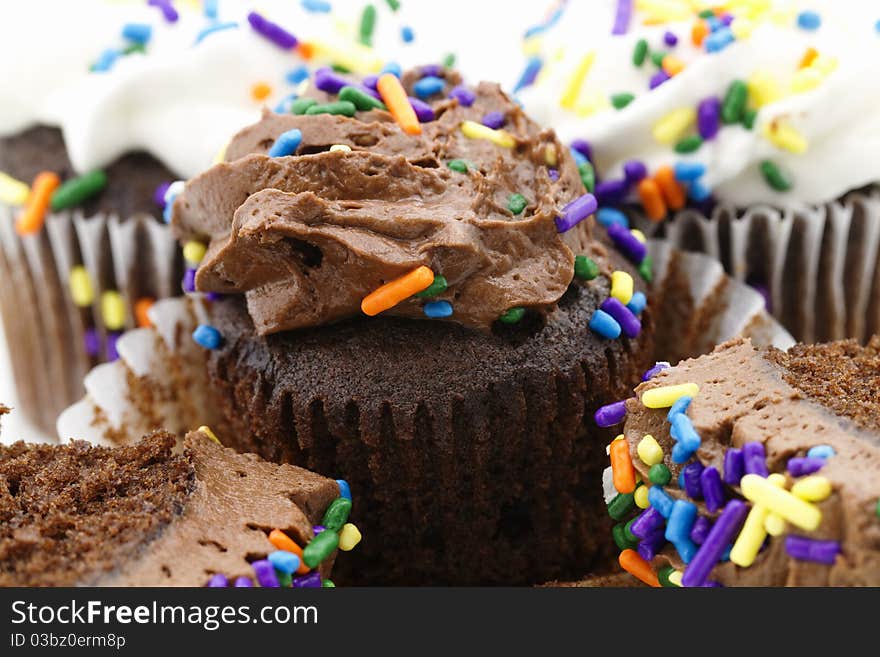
(840, 119)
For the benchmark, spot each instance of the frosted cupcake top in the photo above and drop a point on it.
(756, 101)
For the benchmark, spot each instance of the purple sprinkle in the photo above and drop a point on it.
(371, 82)
(213, 296)
(721, 534)
(243, 582)
(553, 174)
(424, 112)
(159, 194)
(622, 17)
(700, 530)
(630, 324)
(808, 549)
(274, 33)
(326, 79)
(627, 242)
(804, 465)
(651, 545)
(708, 117)
(611, 414)
(648, 522)
(764, 291)
(110, 351)
(432, 71)
(634, 171)
(654, 371)
(658, 78)
(217, 581)
(189, 280)
(713, 491)
(494, 120)
(368, 91)
(310, 581)
(611, 192)
(734, 466)
(317, 529)
(575, 212)
(727, 19)
(463, 95)
(670, 39)
(755, 459)
(583, 147)
(265, 572)
(92, 342)
(167, 9)
(691, 475)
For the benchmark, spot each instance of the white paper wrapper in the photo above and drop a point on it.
(156, 383)
(44, 329)
(821, 266)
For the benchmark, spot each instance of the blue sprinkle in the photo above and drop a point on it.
(714, 23)
(605, 325)
(392, 67)
(207, 336)
(680, 454)
(689, 171)
(698, 191)
(285, 104)
(297, 75)
(105, 60)
(284, 561)
(678, 528)
(216, 27)
(286, 144)
(877, 26)
(533, 67)
(681, 480)
(579, 158)
(638, 302)
(316, 6)
(680, 406)
(725, 556)
(438, 309)
(718, 40)
(137, 32)
(407, 34)
(683, 432)
(821, 451)
(344, 488)
(609, 216)
(809, 20)
(660, 500)
(209, 8)
(427, 87)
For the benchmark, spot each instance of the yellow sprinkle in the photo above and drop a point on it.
(353, 56)
(666, 396)
(573, 88)
(639, 235)
(663, 11)
(194, 252)
(774, 524)
(340, 148)
(221, 154)
(812, 489)
(113, 310)
(793, 509)
(622, 287)
(777, 480)
(742, 28)
(750, 539)
(825, 64)
(474, 130)
(551, 158)
(210, 434)
(81, 290)
(641, 497)
(649, 450)
(675, 578)
(620, 437)
(783, 135)
(533, 46)
(763, 89)
(349, 537)
(592, 101)
(805, 80)
(12, 191)
(672, 127)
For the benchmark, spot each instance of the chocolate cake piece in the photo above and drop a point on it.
(784, 475)
(144, 515)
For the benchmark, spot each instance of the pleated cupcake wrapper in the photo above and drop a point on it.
(45, 330)
(822, 265)
(156, 383)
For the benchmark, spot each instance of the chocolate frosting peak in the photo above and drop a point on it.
(306, 237)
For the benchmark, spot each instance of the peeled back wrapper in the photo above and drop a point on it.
(158, 381)
(821, 265)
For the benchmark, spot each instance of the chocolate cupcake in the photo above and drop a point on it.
(753, 468)
(459, 412)
(207, 516)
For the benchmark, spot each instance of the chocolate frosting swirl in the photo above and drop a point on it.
(306, 237)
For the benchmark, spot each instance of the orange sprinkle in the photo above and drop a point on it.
(672, 65)
(624, 475)
(283, 542)
(260, 91)
(808, 58)
(632, 563)
(699, 32)
(652, 199)
(34, 214)
(141, 309)
(305, 50)
(391, 294)
(394, 95)
(673, 192)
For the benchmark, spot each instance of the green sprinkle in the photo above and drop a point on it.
(513, 316)
(622, 100)
(449, 60)
(435, 289)
(774, 177)
(339, 68)
(517, 203)
(621, 540)
(339, 108)
(627, 529)
(663, 575)
(461, 166)
(749, 117)
(361, 100)
(368, 25)
(689, 144)
(393, 4)
(657, 58)
(706, 13)
(622, 504)
(284, 579)
(336, 514)
(640, 52)
(734, 103)
(320, 547)
(301, 105)
(659, 474)
(877, 510)
(585, 268)
(588, 176)
(75, 191)
(133, 48)
(328, 584)
(646, 269)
